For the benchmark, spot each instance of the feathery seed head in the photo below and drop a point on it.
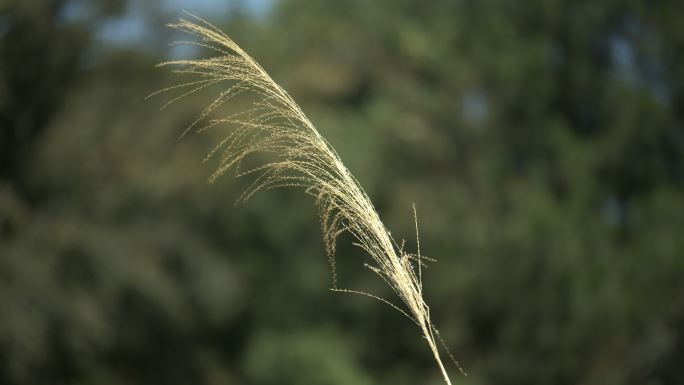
(302, 158)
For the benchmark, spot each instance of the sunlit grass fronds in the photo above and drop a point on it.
(301, 157)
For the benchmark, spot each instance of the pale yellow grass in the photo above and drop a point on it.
(276, 125)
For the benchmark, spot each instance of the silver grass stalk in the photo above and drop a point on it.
(303, 158)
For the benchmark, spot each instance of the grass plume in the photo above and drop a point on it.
(276, 125)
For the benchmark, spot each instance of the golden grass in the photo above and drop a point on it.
(276, 125)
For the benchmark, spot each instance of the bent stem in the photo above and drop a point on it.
(435, 352)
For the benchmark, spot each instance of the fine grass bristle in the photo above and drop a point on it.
(302, 158)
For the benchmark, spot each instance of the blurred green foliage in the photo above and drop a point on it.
(541, 141)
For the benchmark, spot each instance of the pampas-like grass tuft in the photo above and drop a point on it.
(303, 158)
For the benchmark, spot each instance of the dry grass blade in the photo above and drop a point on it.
(276, 125)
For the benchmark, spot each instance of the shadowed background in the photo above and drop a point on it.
(541, 141)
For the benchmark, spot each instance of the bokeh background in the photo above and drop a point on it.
(541, 141)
